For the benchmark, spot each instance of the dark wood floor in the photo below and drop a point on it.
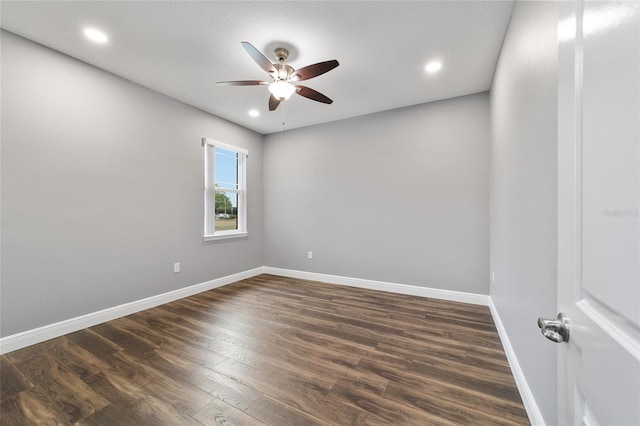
(276, 351)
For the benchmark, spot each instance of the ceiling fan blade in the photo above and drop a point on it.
(310, 71)
(273, 103)
(314, 95)
(242, 83)
(260, 59)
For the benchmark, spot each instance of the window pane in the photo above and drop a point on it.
(225, 205)
(226, 169)
(226, 211)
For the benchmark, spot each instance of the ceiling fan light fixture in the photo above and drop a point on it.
(282, 89)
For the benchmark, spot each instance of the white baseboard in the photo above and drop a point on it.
(40, 334)
(533, 411)
(413, 290)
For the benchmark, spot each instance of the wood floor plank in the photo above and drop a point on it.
(231, 391)
(173, 356)
(74, 358)
(26, 409)
(109, 415)
(318, 403)
(271, 351)
(307, 396)
(220, 413)
(281, 362)
(184, 396)
(382, 407)
(115, 388)
(132, 368)
(127, 341)
(261, 381)
(58, 387)
(180, 328)
(274, 412)
(435, 401)
(445, 389)
(94, 343)
(12, 381)
(154, 411)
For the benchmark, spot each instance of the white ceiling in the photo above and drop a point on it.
(181, 48)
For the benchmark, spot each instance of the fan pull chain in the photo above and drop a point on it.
(283, 123)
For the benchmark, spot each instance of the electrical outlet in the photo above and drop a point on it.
(310, 255)
(176, 267)
(493, 276)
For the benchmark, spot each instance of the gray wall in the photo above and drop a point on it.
(102, 190)
(524, 191)
(399, 196)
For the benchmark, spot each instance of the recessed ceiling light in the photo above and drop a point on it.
(433, 66)
(254, 113)
(95, 35)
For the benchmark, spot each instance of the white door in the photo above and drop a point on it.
(598, 209)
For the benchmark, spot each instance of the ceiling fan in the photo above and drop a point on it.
(284, 76)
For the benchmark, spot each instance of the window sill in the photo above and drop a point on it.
(224, 236)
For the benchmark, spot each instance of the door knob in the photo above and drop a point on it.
(556, 330)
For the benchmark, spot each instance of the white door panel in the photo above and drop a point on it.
(610, 153)
(598, 212)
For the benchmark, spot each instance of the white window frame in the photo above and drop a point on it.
(210, 233)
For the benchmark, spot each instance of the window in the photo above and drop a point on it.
(225, 192)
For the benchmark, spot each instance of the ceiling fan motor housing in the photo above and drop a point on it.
(284, 71)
